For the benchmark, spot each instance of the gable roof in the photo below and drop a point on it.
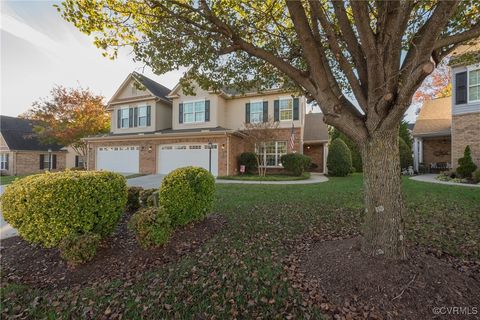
(19, 135)
(315, 130)
(466, 54)
(154, 88)
(435, 118)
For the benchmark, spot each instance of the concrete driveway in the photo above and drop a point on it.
(6, 230)
(147, 182)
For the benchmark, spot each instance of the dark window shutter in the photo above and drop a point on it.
(76, 161)
(207, 110)
(180, 113)
(276, 110)
(149, 115)
(6, 161)
(135, 116)
(265, 111)
(119, 118)
(130, 117)
(42, 159)
(461, 88)
(54, 161)
(296, 109)
(247, 112)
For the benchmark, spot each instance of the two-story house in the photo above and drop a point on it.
(445, 126)
(156, 130)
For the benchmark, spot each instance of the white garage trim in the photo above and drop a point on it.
(173, 156)
(118, 159)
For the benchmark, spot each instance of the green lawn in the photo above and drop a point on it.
(240, 271)
(268, 177)
(9, 179)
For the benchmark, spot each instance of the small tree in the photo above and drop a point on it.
(339, 160)
(68, 116)
(406, 159)
(466, 164)
(257, 135)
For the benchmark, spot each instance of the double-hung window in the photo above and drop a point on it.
(142, 116)
(286, 109)
(271, 153)
(474, 85)
(194, 111)
(3, 161)
(256, 111)
(124, 117)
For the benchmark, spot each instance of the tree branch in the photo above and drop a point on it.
(458, 38)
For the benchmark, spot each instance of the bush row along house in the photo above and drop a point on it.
(445, 126)
(155, 130)
(21, 152)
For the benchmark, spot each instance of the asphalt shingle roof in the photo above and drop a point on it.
(315, 129)
(154, 87)
(19, 135)
(435, 117)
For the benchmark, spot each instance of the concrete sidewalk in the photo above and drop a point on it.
(314, 178)
(430, 177)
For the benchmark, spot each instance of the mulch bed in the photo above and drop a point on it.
(119, 257)
(336, 276)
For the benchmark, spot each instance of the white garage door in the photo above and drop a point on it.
(118, 159)
(171, 157)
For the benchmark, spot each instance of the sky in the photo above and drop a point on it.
(40, 50)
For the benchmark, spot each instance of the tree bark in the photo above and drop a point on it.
(383, 228)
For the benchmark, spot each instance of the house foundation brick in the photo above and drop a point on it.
(466, 131)
(437, 149)
(29, 162)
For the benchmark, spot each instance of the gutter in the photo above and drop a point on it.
(157, 135)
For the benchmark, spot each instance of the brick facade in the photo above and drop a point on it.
(23, 162)
(315, 152)
(465, 131)
(230, 147)
(437, 149)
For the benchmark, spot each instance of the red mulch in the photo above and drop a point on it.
(346, 284)
(119, 257)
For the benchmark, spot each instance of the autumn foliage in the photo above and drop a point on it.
(69, 115)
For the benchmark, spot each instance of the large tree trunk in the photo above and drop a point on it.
(384, 205)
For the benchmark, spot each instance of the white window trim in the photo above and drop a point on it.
(470, 69)
(146, 116)
(3, 161)
(121, 117)
(279, 110)
(264, 155)
(256, 101)
(194, 101)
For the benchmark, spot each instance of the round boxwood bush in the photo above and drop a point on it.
(249, 160)
(187, 194)
(79, 248)
(339, 160)
(151, 225)
(296, 163)
(49, 207)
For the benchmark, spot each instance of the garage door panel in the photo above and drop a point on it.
(119, 159)
(171, 157)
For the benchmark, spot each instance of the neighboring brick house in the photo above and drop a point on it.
(155, 130)
(21, 152)
(446, 126)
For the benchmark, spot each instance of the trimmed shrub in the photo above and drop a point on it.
(46, 208)
(466, 164)
(187, 194)
(339, 160)
(151, 226)
(78, 249)
(249, 160)
(406, 159)
(476, 176)
(133, 199)
(149, 198)
(296, 163)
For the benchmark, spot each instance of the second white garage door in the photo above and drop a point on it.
(119, 159)
(171, 157)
